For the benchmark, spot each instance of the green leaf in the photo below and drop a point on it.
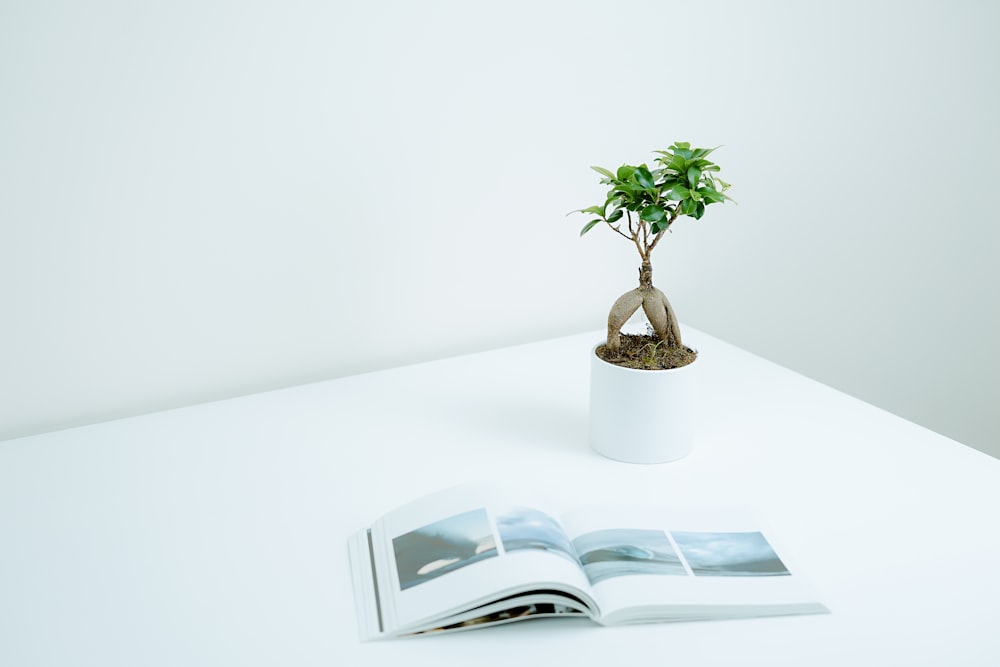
(694, 175)
(653, 213)
(689, 206)
(644, 178)
(681, 145)
(623, 191)
(711, 195)
(590, 225)
(625, 172)
(703, 152)
(604, 172)
(658, 227)
(616, 215)
(699, 211)
(699, 153)
(596, 210)
(679, 192)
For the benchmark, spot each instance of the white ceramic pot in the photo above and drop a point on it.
(640, 416)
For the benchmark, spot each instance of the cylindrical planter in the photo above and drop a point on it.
(641, 416)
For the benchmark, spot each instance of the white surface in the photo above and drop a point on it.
(203, 199)
(217, 534)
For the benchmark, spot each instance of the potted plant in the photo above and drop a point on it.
(639, 382)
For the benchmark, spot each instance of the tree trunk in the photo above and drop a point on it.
(654, 304)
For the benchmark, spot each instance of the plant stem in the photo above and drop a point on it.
(657, 238)
(635, 235)
(619, 231)
(646, 273)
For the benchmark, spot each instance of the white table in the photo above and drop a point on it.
(215, 535)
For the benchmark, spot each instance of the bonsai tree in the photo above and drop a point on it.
(641, 206)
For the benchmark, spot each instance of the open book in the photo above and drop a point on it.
(471, 556)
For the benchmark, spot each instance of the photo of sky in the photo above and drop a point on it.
(624, 552)
(442, 547)
(526, 528)
(729, 554)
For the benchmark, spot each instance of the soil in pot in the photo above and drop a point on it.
(647, 352)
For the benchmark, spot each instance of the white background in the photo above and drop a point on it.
(206, 199)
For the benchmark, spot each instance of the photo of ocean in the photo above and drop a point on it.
(526, 528)
(729, 554)
(442, 547)
(627, 552)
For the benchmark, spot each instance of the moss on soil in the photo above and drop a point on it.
(647, 352)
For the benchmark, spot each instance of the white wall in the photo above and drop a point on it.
(204, 199)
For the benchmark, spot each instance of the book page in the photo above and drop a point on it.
(672, 564)
(528, 607)
(461, 548)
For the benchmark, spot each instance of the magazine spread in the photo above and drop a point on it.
(472, 556)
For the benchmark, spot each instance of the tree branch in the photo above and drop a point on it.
(635, 235)
(656, 239)
(619, 231)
